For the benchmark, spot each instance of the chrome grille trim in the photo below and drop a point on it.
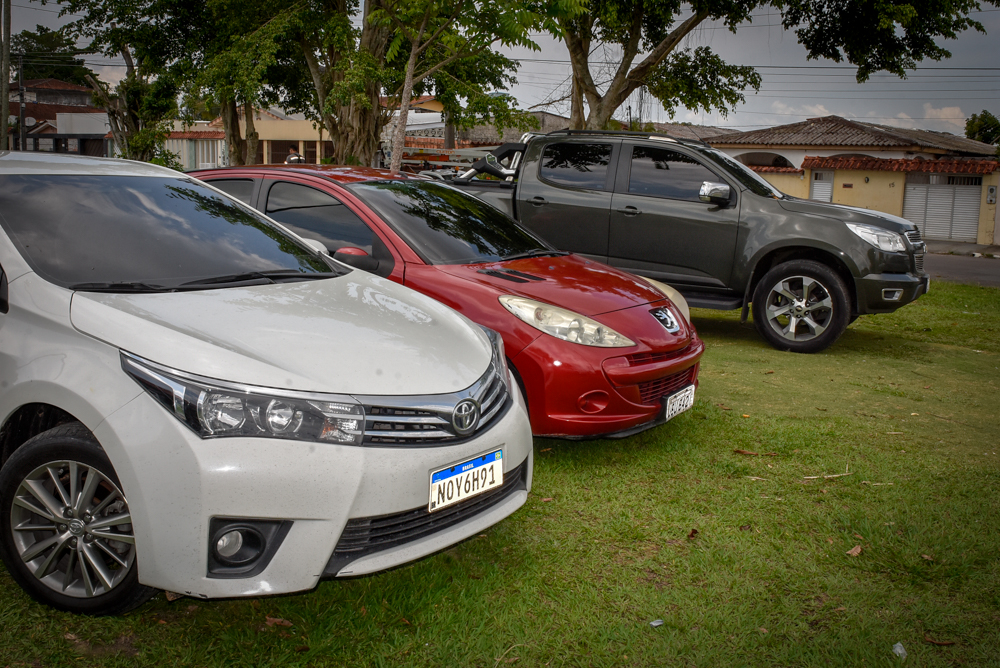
(426, 420)
(918, 263)
(913, 236)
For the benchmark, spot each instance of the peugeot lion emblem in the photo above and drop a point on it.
(667, 319)
(466, 417)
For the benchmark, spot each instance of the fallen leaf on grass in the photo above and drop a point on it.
(859, 536)
(172, 596)
(854, 551)
(745, 415)
(745, 452)
(840, 609)
(745, 527)
(753, 477)
(405, 621)
(820, 409)
(277, 621)
(927, 387)
(927, 557)
(302, 648)
(694, 532)
(830, 541)
(725, 408)
(546, 500)
(767, 372)
(762, 630)
(914, 413)
(895, 433)
(823, 491)
(545, 449)
(939, 643)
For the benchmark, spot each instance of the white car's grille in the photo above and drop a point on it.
(430, 420)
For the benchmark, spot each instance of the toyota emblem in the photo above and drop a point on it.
(465, 419)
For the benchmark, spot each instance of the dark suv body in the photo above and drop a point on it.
(689, 215)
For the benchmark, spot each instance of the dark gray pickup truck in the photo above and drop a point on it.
(689, 215)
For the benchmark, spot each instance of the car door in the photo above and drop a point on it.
(315, 214)
(659, 227)
(567, 199)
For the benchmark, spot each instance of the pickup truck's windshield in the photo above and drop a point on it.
(145, 234)
(743, 174)
(445, 225)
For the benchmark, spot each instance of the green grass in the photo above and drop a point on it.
(907, 403)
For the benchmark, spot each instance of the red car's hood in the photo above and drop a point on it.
(570, 281)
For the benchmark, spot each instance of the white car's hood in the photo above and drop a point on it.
(356, 334)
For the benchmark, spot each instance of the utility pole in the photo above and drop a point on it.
(5, 72)
(23, 131)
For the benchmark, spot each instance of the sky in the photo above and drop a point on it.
(936, 96)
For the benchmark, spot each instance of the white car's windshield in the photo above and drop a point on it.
(134, 233)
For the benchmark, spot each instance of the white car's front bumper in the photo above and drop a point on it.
(176, 483)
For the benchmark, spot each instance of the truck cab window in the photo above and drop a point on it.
(576, 165)
(659, 172)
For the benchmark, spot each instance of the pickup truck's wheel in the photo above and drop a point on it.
(801, 306)
(65, 529)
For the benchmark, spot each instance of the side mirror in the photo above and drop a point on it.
(714, 193)
(317, 246)
(356, 257)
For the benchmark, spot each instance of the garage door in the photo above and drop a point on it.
(946, 207)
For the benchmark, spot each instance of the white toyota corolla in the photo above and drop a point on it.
(194, 399)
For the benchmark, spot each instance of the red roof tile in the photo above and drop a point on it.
(196, 134)
(900, 165)
(767, 169)
(49, 84)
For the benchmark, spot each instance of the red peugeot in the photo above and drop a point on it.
(596, 351)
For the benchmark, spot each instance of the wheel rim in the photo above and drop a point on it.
(72, 529)
(799, 308)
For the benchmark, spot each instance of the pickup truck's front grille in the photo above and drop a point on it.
(419, 421)
(652, 391)
(367, 535)
(913, 236)
(918, 263)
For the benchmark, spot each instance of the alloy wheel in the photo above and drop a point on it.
(799, 308)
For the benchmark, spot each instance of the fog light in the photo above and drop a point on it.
(593, 402)
(229, 544)
(891, 294)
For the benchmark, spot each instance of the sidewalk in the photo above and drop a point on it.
(958, 248)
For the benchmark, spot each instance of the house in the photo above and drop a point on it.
(945, 184)
(59, 117)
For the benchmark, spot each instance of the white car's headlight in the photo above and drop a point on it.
(214, 409)
(880, 238)
(564, 324)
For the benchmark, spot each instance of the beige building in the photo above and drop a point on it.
(945, 184)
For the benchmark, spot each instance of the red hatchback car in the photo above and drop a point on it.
(596, 351)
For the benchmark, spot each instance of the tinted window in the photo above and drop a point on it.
(241, 189)
(661, 172)
(164, 231)
(315, 215)
(577, 165)
(744, 174)
(445, 225)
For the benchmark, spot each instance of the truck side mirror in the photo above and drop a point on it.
(714, 193)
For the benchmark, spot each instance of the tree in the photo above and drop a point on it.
(874, 36)
(51, 54)
(984, 127)
(437, 33)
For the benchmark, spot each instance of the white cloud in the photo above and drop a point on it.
(950, 119)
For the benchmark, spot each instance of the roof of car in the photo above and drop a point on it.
(32, 162)
(338, 173)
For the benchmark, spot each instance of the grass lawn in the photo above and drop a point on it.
(743, 557)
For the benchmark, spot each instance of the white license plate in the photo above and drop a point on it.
(680, 401)
(465, 480)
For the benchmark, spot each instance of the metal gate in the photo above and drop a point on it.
(944, 206)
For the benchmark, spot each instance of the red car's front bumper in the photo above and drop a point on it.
(584, 392)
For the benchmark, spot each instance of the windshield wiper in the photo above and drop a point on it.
(130, 286)
(265, 276)
(538, 252)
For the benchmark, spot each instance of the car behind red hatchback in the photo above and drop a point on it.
(596, 351)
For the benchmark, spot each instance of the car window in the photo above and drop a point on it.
(314, 214)
(660, 172)
(159, 230)
(744, 174)
(241, 189)
(576, 165)
(444, 225)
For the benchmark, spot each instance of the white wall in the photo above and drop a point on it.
(82, 124)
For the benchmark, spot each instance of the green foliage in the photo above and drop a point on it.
(984, 127)
(701, 80)
(50, 54)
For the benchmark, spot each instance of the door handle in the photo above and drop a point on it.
(629, 211)
(537, 201)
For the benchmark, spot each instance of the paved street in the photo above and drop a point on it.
(963, 269)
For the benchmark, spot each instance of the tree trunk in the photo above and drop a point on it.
(235, 143)
(576, 119)
(399, 133)
(252, 138)
(5, 72)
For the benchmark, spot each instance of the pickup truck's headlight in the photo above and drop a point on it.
(564, 324)
(213, 409)
(878, 237)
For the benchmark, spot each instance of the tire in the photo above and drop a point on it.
(80, 555)
(801, 306)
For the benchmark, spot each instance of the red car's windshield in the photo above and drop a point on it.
(447, 226)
